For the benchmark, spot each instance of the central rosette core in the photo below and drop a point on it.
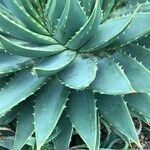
(73, 26)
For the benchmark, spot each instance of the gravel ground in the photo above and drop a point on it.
(144, 137)
(145, 142)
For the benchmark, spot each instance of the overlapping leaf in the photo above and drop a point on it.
(79, 73)
(84, 120)
(51, 100)
(18, 89)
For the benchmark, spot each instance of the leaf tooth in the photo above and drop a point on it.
(33, 113)
(144, 46)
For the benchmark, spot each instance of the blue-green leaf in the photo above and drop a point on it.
(84, 119)
(133, 32)
(11, 63)
(4, 79)
(140, 102)
(31, 10)
(105, 35)
(49, 105)
(19, 11)
(87, 31)
(138, 74)
(139, 115)
(27, 49)
(88, 6)
(107, 7)
(79, 73)
(10, 115)
(25, 127)
(142, 54)
(114, 110)
(67, 25)
(53, 64)
(110, 78)
(23, 33)
(53, 15)
(7, 143)
(18, 89)
(62, 141)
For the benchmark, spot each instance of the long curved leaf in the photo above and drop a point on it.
(105, 35)
(49, 105)
(84, 119)
(18, 89)
(142, 54)
(26, 49)
(31, 10)
(10, 115)
(133, 32)
(62, 141)
(53, 15)
(140, 102)
(11, 63)
(25, 127)
(19, 11)
(64, 31)
(23, 33)
(54, 64)
(114, 110)
(87, 31)
(138, 74)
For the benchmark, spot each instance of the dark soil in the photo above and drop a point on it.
(144, 137)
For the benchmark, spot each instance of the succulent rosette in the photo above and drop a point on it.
(68, 65)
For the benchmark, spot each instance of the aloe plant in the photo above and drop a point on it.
(67, 66)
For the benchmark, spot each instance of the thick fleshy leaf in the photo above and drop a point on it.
(53, 15)
(31, 10)
(53, 64)
(110, 78)
(127, 10)
(18, 89)
(88, 6)
(98, 139)
(26, 49)
(107, 7)
(6, 11)
(19, 11)
(10, 115)
(134, 2)
(105, 35)
(72, 12)
(49, 105)
(11, 63)
(7, 143)
(23, 33)
(2, 3)
(138, 75)
(139, 115)
(25, 127)
(142, 54)
(4, 79)
(140, 102)
(144, 42)
(62, 141)
(87, 31)
(131, 33)
(84, 119)
(114, 110)
(79, 73)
